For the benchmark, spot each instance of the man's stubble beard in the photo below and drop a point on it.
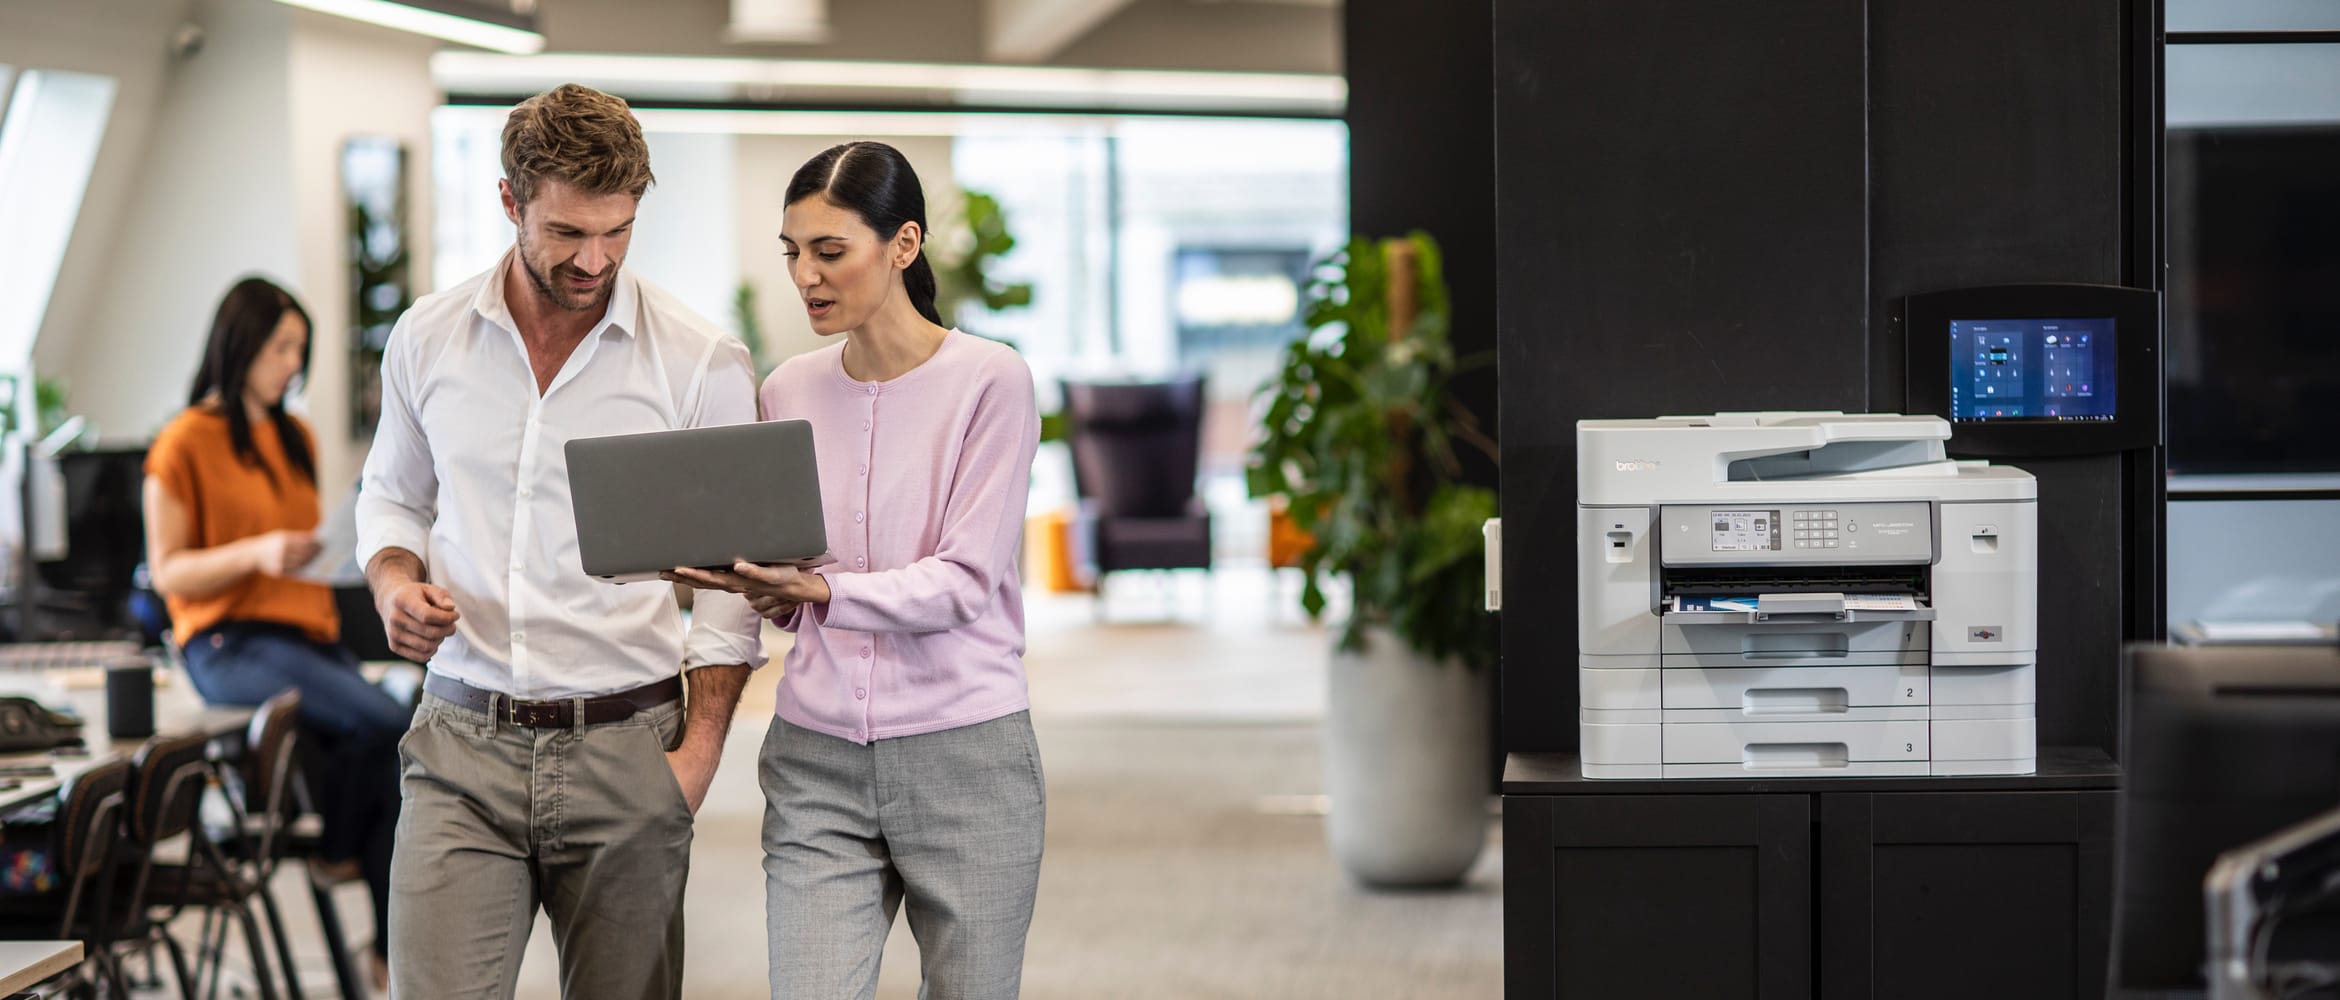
(551, 293)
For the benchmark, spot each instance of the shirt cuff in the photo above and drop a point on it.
(389, 532)
(723, 631)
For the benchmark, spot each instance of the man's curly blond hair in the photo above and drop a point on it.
(578, 136)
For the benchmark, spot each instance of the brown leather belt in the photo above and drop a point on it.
(551, 714)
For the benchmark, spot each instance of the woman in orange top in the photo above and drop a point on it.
(231, 510)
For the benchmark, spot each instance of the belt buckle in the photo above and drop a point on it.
(533, 714)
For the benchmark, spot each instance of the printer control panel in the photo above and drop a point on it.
(1795, 534)
(1818, 529)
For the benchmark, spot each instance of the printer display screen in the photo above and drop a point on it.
(2032, 369)
(1746, 531)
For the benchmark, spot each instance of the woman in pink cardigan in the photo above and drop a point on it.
(901, 768)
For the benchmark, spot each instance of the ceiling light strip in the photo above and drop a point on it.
(434, 23)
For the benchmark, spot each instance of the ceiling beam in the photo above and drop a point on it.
(1031, 31)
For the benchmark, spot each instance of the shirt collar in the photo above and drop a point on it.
(622, 315)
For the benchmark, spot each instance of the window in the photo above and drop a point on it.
(2253, 201)
(1153, 244)
(49, 135)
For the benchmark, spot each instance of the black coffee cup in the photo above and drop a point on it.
(130, 701)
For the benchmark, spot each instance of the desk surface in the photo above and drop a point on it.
(177, 709)
(2060, 769)
(26, 963)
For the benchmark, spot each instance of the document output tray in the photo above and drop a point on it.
(1790, 609)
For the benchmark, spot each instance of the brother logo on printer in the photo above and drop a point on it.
(1637, 465)
(1984, 633)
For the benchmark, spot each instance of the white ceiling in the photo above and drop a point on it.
(1273, 36)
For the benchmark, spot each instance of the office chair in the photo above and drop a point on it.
(1135, 447)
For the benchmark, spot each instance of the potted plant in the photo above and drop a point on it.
(972, 235)
(1359, 440)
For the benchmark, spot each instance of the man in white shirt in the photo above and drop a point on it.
(550, 763)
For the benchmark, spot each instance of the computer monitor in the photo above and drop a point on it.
(2221, 746)
(104, 518)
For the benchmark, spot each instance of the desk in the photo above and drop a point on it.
(24, 964)
(177, 709)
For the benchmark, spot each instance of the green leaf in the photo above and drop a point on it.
(1354, 436)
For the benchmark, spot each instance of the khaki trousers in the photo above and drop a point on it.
(587, 823)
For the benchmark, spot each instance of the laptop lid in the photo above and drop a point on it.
(701, 496)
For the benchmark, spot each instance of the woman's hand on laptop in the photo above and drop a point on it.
(774, 591)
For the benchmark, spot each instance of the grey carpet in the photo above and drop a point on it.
(1180, 742)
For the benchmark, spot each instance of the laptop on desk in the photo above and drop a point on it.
(702, 496)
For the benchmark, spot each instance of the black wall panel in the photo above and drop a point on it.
(1421, 119)
(1995, 146)
(1680, 205)
(1704, 205)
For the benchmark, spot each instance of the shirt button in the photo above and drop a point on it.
(865, 425)
(865, 652)
(873, 390)
(524, 493)
(857, 517)
(861, 692)
(859, 561)
(865, 470)
(518, 637)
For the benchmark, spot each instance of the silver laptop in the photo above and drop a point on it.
(703, 496)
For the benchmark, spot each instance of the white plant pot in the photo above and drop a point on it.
(1405, 764)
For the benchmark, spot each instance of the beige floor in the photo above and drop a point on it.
(1185, 856)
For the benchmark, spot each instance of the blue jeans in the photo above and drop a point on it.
(351, 726)
(246, 663)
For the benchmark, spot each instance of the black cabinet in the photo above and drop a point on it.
(1902, 888)
(1964, 894)
(1617, 881)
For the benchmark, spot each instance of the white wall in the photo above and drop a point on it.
(766, 162)
(350, 79)
(128, 40)
(207, 205)
(215, 166)
(686, 230)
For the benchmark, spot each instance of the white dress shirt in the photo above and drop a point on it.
(468, 471)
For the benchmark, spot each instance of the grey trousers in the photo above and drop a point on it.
(498, 820)
(949, 822)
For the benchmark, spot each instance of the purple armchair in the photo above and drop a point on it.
(1135, 446)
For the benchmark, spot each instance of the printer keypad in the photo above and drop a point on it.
(1815, 529)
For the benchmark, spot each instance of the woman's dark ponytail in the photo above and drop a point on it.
(918, 279)
(874, 181)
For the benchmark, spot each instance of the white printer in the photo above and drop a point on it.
(1802, 594)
